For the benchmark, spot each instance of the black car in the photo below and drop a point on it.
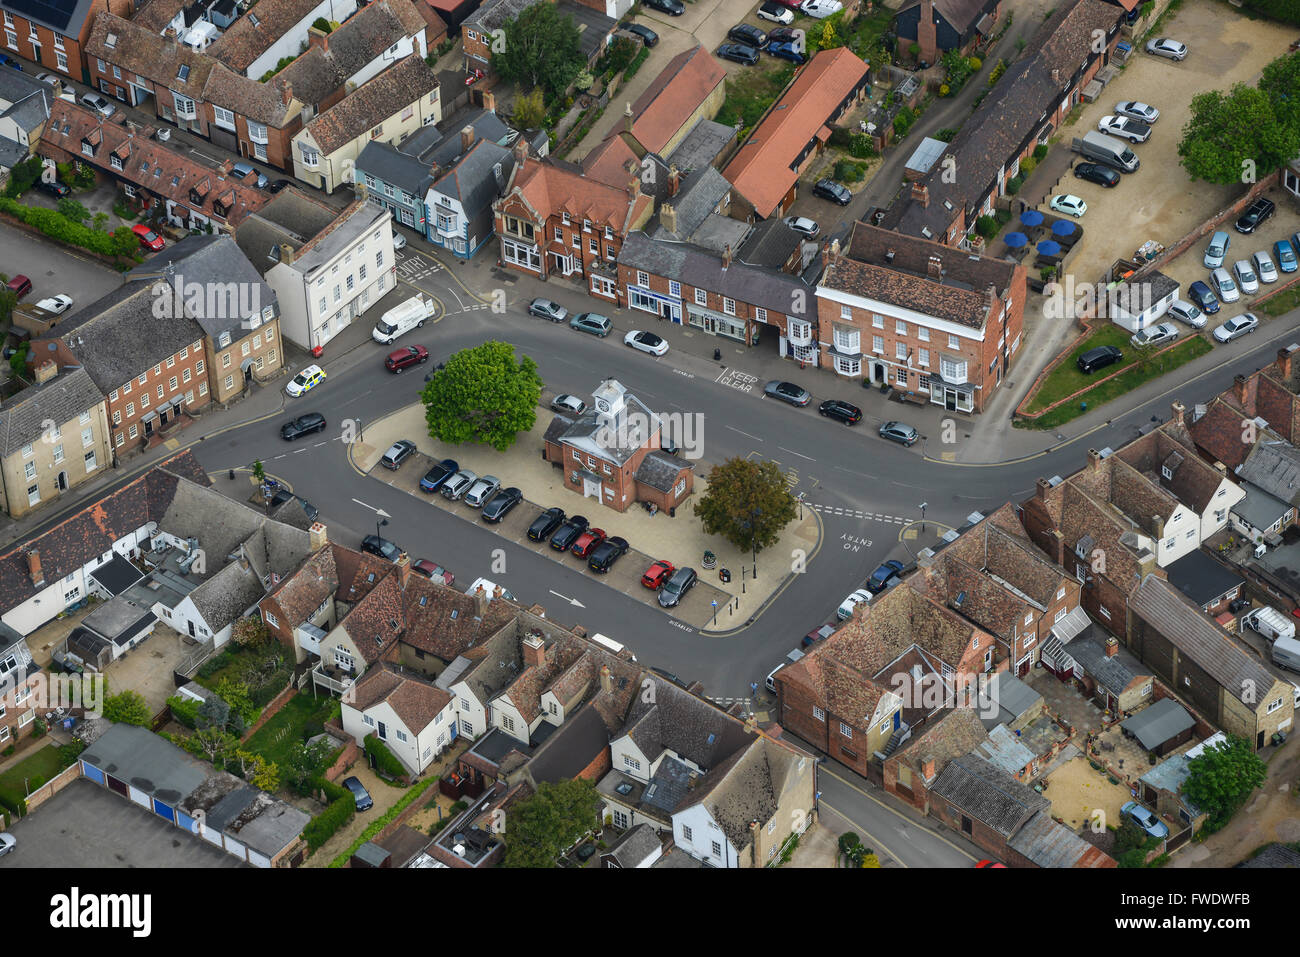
(303, 425)
(835, 192)
(668, 676)
(284, 495)
(1096, 173)
(841, 411)
(883, 575)
(1258, 211)
(359, 793)
(437, 476)
(545, 524)
(606, 553)
(676, 587)
(54, 188)
(783, 35)
(674, 8)
(568, 532)
(502, 502)
(381, 547)
(1099, 358)
(738, 53)
(747, 34)
(278, 185)
(648, 36)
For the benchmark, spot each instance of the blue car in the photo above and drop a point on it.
(883, 575)
(1285, 254)
(1203, 296)
(437, 476)
(786, 51)
(1144, 819)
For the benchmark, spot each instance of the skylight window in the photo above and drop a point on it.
(184, 72)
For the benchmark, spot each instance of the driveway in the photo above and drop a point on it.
(382, 793)
(53, 269)
(91, 827)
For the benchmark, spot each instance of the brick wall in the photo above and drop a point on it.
(1231, 211)
(349, 756)
(269, 712)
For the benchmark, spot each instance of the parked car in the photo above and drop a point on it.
(785, 35)
(748, 35)
(399, 240)
(569, 404)
(482, 490)
(835, 192)
(54, 188)
(775, 12)
(437, 476)
(1255, 214)
(786, 50)
(1245, 276)
(147, 237)
(885, 573)
(1237, 326)
(568, 533)
(787, 392)
(604, 555)
(1223, 286)
(381, 547)
(397, 453)
(593, 323)
(19, 285)
(433, 572)
(359, 793)
(56, 304)
(95, 102)
(646, 342)
(738, 53)
(589, 539)
(658, 573)
(820, 9)
(1145, 819)
(303, 425)
(49, 79)
(1217, 250)
(648, 36)
(1096, 173)
(305, 381)
(242, 170)
(278, 185)
(899, 432)
(501, 504)
(1098, 358)
(1264, 267)
(1184, 311)
(1125, 127)
(675, 589)
(1137, 110)
(802, 224)
(817, 634)
(545, 309)
(1285, 254)
(1069, 204)
(845, 611)
(458, 484)
(1156, 335)
(1165, 47)
(7, 843)
(545, 524)
(406, 357)
(841, 411)
(1204, 297)
(674, 8)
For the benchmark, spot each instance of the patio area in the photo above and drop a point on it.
(1038, 240)
(1065, 702)
(1076, 790)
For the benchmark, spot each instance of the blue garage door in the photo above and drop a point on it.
(162, 810)
(92, 772)
(183, 820)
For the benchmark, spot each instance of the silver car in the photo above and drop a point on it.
(97, 103)
(1237, 326)
(1156, 335)
(1223, 285)
(569, 404)
(1245, 276)
(482, 490)
(1184, 311)
(1138, 110)
(1264, 267)
(459, 484)
(545, 309)
(1165, 47)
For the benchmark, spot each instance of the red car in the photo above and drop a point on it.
(989, 864)
(587, 541)
(399, 359)
(433, 572)
(148, 238)
(657, 574)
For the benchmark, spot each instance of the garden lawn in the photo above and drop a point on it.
(44, 763)
(286, 729)
(1066, 378)
(751, 93)
(232, 662)
(1282, 302)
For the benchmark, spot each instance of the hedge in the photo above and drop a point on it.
(332, 790)
(384, 760)
(120, 242)
(327, 823)
(374, 827)
(184, 710)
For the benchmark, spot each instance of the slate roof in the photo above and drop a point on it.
(1049, 844)
(1259, 509)
(681, 88)
(588, 435)
(974, 786)
(493, 14)
(769, 244)
(28, 109)
(291, 217)
(567, 752)
(1274, 855)
(660, 470)
(1160, 722)
(763, 168)
(1200, 639)
(636, 845)
(416, 701)
(253, 34)
(1202, 578)
(702, 146)
(64, 17)
(1114, 673)
(388, 164)
(678, 721)
(473, 180)
(60, 400)
(961, 14)
(1274, 466)
(372, 103)
(699, 196)
(957, 732)
(961, 294)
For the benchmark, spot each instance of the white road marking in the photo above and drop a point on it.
(745, 434)
(793, 452)
(858, 514)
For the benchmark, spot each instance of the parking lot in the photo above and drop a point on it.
(53, 269)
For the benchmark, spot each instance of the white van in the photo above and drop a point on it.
(1286, 653)
(790, 659)
(402, 318)
(1271, 623)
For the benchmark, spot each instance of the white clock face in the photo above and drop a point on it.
(602, 405)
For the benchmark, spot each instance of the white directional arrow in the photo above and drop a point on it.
(571, 601)
(378, 511)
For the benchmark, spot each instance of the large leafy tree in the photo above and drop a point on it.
(1219, 781)
(748, 503)
(542, 48)
(128, 707)
(1287, 11)
(483, 395)
(1231, 133)
(1280, 82)
(542, 827)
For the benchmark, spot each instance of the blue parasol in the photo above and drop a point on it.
(1049, 248)
(1016, 240)
(1031, 217)
(1062, 227)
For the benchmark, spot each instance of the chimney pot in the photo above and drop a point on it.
(1094, 459)
(34, 567)
(921, 193)
(1239, 383)
(466, 139)
(286, 93)
(1112, 647)
(934, 268)
(674, 180)
(668, 217)
(606, 680)
(1179, 411)
(46, 371)
(317, 536)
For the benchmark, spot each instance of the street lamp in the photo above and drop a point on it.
(753, 537)
(380, 523)
(923, 506)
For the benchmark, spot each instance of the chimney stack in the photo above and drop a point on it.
(1158, 525)
(726, 255)
(226, 166)
(317, 37)
(286, 93)
(403, 564)
(1056, 77)
(534, 651)
(835, 248)
(489, 100)
(606, 681)
(993, 298)
(1179, 411)
(317, 537)
(46, 371)
(927, 768)
(1094, 460)
(668, 217)
(628, 117)
(521, 149)
(286, 254)
(751, 724)
(1284, 363)
(34, 567)
(934, 267)
(674, 180)
(466, 139)
(480, 601)
(1112, 647)
(170, 34)
(1041, 489)
(921, 194)
(1239, 384)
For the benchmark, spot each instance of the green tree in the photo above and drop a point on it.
(748, 503)
(483, 395)
(1280, 82)
(74, 210)
(1285, 11)
(1220, 780)
(304, 764)
(18, 361)
(128, 707)
(259, 470)
(541, 48)
(530, 110)
(213, 713)
(541, 828)
(1232, 133)
(235, 694)
(214, 743)
(265, 776)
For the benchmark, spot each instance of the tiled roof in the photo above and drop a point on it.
(961, 14)
(24, 417)
(417, 702)
(746, 788)
(1219, 433)
(763, 168)
(988, 794)
(961, 294)
(1274, 466)
(635, 846)
(678, 721)
(1194, 483)
(253, 34)
(955, 733)
(851, 695)
(301, 593)
(147, 53)
(681, 88)
(371, 103)
(1113, 672)
(551, 190)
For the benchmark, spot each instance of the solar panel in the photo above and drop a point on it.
(55, 13)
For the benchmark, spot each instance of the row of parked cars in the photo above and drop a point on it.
(838, 410)
(1245, 277)
(746, 41)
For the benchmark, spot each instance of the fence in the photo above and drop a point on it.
(53, 786)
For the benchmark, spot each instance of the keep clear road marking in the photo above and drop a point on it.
(736, 379)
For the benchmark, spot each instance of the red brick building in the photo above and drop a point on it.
(54, 35)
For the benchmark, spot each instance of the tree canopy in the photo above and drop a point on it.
(1246, 133)
(483, 395)
(1220, 780)
(747, 503)
(541, 828)
(128, 707)
(542, 47)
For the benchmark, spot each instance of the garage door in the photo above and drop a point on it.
(258, 860)
(236, 848)
(117, 786)
(188, 823)
(140, 798)
(211, 835)
(162, 810)
(92, 772)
